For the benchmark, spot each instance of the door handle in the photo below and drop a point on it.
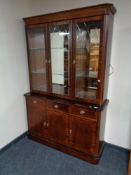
(47, 124)
(44, 124)
(70, 131)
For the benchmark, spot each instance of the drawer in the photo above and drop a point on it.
(57, 106)
(36, 101)
(83, 112)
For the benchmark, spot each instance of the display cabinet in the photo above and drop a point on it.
(69, 58)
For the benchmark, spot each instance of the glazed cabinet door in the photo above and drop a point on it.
(83, 134)
(60, 56)
(58, 126)
(87, 54)
(38, 62)
(37, 122)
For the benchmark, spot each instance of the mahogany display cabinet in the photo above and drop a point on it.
(69, 60)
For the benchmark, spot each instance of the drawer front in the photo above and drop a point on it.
(57, 106)
(83, 112)
(34, 101)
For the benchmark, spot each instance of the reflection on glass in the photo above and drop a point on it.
(59, 43)
(87, 58)
(36, 42)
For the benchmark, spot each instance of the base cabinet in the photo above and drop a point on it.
(74, 128)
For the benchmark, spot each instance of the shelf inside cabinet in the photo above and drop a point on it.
(36, 49)
(38, 71)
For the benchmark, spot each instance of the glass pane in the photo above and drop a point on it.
(36, 42)
(87, 58)
(59, 43)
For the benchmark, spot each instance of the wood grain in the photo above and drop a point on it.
(68, 123)
(97, 10)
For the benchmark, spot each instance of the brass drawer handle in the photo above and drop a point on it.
(56, 106)
(34, 101)
(45, 124)
(82, 112)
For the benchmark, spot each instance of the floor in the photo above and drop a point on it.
(27, 157)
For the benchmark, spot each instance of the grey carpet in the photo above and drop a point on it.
(27, 157)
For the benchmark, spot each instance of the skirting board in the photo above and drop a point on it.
(13, 142)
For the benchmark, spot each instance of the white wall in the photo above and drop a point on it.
(118, 123)
(13, 69)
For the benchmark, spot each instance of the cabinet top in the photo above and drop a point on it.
(102, 9)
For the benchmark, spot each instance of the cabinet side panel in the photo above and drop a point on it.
(102, 124)
(108, 30)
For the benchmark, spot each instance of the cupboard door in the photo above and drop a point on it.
(37, 122)
(87, 58)
(82, 134)
(58, 126)
(60, 50)
(37, 58)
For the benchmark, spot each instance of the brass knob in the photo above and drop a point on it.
(44, 124)
(47, 124)
(74, 61)
(82, 112)
(34, 101)
(56, 106)
(70, 131)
